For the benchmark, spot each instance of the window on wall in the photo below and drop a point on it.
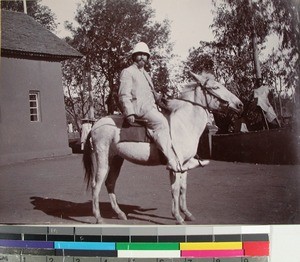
(34, 105)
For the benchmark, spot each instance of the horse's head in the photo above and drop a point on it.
(213, 95)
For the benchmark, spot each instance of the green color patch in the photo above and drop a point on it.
(147, 246)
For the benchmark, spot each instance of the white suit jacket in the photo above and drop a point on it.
(261, 94)
(135, 92)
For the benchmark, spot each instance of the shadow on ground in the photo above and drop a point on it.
(68, 210)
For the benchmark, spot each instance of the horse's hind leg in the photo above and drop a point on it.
(182, 198)
(100, 158)
(110, 183)
(175, 189)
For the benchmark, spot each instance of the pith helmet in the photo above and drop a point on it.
(141, 47)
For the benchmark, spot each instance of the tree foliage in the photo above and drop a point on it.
(285, 22)
(235, 22)
(39, 12)
(230, 55)
(105, 35)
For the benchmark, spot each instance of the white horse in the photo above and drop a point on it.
(188, 116)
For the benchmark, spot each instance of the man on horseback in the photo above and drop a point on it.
(138, 100)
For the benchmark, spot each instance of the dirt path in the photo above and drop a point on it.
(52, 191)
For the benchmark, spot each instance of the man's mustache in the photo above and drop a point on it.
(142, 58)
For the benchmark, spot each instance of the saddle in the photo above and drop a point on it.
(135, 133)
(138, 133)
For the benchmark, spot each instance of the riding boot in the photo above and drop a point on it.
(203, 162)
(163, 142)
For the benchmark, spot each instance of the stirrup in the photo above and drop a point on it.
(201, 162)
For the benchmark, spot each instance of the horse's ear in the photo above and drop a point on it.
(203, 80)
(196, 77)
(200, 79)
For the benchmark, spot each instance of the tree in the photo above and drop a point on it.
(264, 17)
(40, 13)
(285, 22)
(76, 91)
(106, 34)
(236, 24)
(230, 56)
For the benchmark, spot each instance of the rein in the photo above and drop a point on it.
(194, 103)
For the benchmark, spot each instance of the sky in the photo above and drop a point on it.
(190, 20)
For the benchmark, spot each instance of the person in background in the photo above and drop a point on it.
(85, 129)
(261, 93)
(70, 128)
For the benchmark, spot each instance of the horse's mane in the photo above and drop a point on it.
(203, 79)
(174, 102)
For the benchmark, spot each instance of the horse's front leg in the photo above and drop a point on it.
(175, 190)
(182, 198)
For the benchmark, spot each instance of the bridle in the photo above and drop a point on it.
(205, 91)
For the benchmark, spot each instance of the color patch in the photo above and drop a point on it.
(199, 238)
(257, 248)
(227, 238)
(211, 246)
(60, 238)
(85, 245)
(86, 253)
(147, 246)
(255, 237)
(36, 237)
(149, 253)
(143, 238)
(171, 238)
(88, 238)
(61, 231)
(26, 244)
(10, 236)
(115, 238)
(212, 253)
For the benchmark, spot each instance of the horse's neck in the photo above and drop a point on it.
(197, 96)
(187, 94)
(187, 123)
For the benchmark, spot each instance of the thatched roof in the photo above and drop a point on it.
(23, 37)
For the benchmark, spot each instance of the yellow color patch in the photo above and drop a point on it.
(211, 246)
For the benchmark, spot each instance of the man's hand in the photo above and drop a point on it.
(157, 96)
(130, 119)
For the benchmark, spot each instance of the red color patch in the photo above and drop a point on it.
(256, 248)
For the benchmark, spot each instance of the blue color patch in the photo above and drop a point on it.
(85, 245)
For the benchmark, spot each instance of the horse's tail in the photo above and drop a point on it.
(87, 161)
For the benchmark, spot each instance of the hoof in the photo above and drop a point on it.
(122, 216)
(180, 222)
(99, 221)
(190, 218)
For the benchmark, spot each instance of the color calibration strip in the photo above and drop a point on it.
(199, 243)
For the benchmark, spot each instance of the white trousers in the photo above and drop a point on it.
(158, 128)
